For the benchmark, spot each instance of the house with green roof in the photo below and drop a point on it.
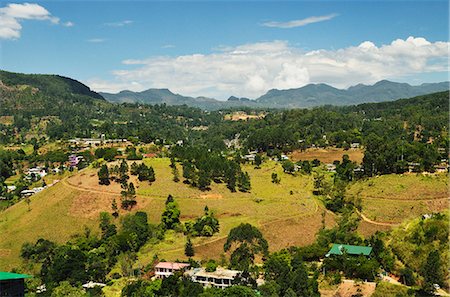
(12, 284)
(356, 250)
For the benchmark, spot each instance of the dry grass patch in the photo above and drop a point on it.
(327, 155)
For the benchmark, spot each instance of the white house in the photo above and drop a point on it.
(165, 269)
(221, 278)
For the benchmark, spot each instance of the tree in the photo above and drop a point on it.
(432, 272)
(189, 248)
(171, 216)
(275, 178)
(108, 229)
(114, 208)
(258, 161)
(66, 290)
(204, 180)
(176, 175)
(288, 166)
(248, 241)
(244, 182)
(103, 175)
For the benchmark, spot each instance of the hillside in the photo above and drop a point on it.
(305, 97)
(27, 95)
(285, 219)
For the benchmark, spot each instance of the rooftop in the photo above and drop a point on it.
(219, 273)
(10, 276)
(171, 265)
(337, 249)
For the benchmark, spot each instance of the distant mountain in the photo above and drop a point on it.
(322, 94)
(305, 97)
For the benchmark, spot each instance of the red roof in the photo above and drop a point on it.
(172, 265)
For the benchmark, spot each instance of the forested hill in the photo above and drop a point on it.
(48, 84)
(41, 95)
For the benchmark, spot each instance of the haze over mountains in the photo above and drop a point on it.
(308, 96)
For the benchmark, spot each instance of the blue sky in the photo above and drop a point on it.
(223, 48)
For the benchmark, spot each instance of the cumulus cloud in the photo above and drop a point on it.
(299, 23)
(119, 24)
(13, 14)
(250, 70)
(68, 24)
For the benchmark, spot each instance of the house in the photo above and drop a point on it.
(73, 160)
(354, 145)
(331, 167)
(249, 157)
(221, 278)
(36, 171)
(12, 284)
(413, 167)
(165, 269)
(355, 250)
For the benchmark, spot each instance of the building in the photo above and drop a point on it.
(12, 284)
(73, 160)
(355, 250)
(221, 278)
(331, 167)
(165, 269)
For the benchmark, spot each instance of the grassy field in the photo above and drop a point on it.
(327, 155)
(287, 214)
(394, 198)
(75, 202)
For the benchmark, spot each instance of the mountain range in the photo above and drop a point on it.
(305, 97)
(62, 90)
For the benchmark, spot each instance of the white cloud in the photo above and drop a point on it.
(299, 23)
(168, 46)
(96, 40)
(13, 14)
(69, 24)
(250, 70)
(119, 24)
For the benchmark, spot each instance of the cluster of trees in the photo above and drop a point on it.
(286, 275)
(107, 153)
(201, 166)
(205, 225)
(87, 257)
(143, 172)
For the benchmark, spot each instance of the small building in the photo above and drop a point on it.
(165, 269)
(73, 160)
(331, 167)
(221, 278)
(354, 145)
(12, 284)
(355, 250)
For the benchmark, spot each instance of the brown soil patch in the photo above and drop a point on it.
(89, 205)
(351, 288)
(299, 231)
(211, 250)
(211, 196)
(327, 155)
(438, 204)
(237, 116)
(367, 229)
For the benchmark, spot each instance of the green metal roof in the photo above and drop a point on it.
(9, 276)
(338, 248)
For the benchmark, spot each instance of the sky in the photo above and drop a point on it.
(222, 48)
